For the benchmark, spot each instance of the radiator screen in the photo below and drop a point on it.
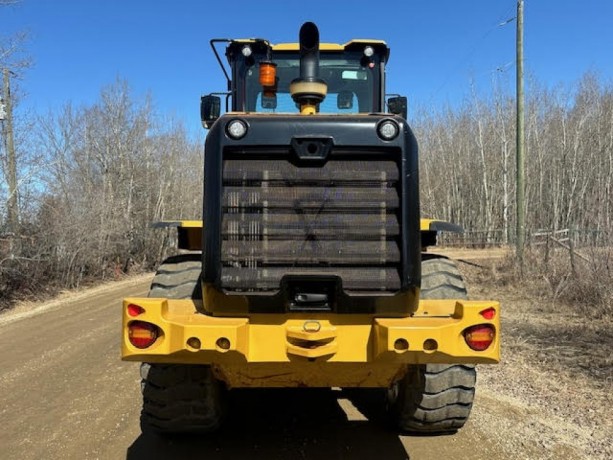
(340, 218)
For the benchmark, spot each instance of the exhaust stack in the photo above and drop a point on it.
(308, 90)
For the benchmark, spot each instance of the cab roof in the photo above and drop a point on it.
(380, 46)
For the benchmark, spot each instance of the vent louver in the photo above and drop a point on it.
(339, 218)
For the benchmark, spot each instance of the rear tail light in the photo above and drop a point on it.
(480, 337)
(135, 310)
(142, 334)
(488, 313)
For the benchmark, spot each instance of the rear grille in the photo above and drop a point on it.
(339, 218)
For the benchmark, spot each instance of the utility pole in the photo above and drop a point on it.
(520, 186)
(12, 208)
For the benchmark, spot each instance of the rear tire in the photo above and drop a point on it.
(180, 398)
(178, 277)
(435, 398)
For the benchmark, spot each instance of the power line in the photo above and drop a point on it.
(499, 23)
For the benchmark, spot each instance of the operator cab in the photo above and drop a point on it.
(354, 74)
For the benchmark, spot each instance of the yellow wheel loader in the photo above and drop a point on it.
(308, 268)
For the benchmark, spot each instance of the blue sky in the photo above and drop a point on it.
(438, 46)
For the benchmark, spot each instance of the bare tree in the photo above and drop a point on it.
(113, 171)
(466, 169)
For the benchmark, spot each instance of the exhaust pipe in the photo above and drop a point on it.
(308, 90)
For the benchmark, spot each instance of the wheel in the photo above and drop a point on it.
(435, 398)
(180, 398)
(178, 278)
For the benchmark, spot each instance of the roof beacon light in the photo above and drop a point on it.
(268, 74)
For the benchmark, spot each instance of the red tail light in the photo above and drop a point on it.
(142, 334)
(480, 337)
(135, 310)
(488, 313)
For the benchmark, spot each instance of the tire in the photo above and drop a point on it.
(435, 398)
(180, 398)
(178, 278)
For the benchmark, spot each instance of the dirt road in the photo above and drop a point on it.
(65, 394)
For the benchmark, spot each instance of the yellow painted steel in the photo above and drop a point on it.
(433, 334)
(426, 224)
(191, 223)
(296, 47)
(328, 46)
(322, 46)
(308, 109)
(309, 373)
(178, 223)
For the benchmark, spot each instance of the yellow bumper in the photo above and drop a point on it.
(434, 334)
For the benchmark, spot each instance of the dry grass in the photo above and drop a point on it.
(557, 337)
(584, 287)
(560, 317)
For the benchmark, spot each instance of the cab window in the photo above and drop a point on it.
(350, 85)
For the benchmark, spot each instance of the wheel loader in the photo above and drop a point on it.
(309, 267)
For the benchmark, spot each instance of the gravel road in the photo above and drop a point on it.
(65, 394)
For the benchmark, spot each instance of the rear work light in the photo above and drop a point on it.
(480, 337)
(142, 334)
(388, 130)
(236, 129)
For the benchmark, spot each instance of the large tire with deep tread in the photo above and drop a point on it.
(435, 398)
(179, 398)
(178, 277)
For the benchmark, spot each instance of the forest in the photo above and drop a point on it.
(468, 161)
(88, 181)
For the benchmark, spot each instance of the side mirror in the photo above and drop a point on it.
(210, 108)
(398, 106)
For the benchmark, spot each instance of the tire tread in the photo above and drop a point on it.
(180, 398)
(436, 398)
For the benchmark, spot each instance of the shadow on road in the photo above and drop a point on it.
(287, 424)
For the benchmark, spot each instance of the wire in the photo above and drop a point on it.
(499, 23)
